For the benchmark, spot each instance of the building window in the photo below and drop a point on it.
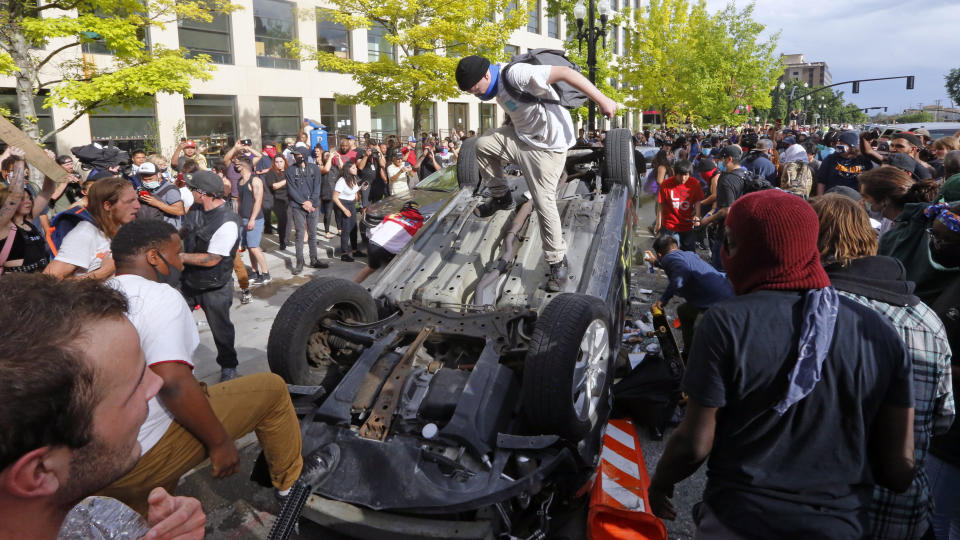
(211, 120)
(488, 117)
(211, 38)
(332, 37)
(8, 101)
(615, 39)
(553, 26)
(99, 45)
(511, 50)
(427, 123)
(377, 45)
(274, 25)
(280, 118)
(533, 21)
(129, 128)
(383, 120)
(338, 119)
(457, 116)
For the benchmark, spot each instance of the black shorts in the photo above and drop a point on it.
(377, 256)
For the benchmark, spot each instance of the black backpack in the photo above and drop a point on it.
(752, 181)
(570, 97)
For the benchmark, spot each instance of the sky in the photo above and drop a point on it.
(862, 39)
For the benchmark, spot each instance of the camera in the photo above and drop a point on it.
(246, 142)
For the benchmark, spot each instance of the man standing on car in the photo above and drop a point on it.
(537, 140)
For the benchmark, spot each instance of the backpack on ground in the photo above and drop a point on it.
(797, 178)
(63, 223)
(570, 97)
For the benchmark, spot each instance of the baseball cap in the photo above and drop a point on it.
(921, 132)
(909, 137)
(764, 144)
(147, 169)
(850, 138)
(901, 161)
(351, 137)
(846, 191)
(205, 181)
(731, 151)
(189, 144)
(706, 165)
(412, 139)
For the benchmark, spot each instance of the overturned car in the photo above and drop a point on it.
(464, 398)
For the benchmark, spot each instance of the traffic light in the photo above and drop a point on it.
(910, 82)
(884, 109)
(856, 87)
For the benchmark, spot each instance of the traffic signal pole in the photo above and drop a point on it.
(856, 86)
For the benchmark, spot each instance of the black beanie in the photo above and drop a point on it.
(470, 70)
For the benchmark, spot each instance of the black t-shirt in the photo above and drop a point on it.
(729, 188)
(805, 474)
(841, 171)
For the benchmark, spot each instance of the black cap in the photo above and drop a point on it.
(706, 165)
(901, 161)
(731, 151)
(205, 181)
(470, 70)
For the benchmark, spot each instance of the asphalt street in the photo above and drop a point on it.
(237, 508)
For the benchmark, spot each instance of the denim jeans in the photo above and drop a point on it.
(944, 481)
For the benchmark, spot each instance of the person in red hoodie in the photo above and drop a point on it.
(389, 237)
(678, 211)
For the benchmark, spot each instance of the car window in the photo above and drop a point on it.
(443, 180)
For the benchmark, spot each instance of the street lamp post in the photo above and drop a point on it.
(591, 36)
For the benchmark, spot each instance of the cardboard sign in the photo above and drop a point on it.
(33, 153)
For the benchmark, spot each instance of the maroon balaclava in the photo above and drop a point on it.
(776, 243)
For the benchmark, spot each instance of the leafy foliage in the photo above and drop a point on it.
(699, 67)
(431, 36)
(36, 47)
(917, 116)
(953, 84)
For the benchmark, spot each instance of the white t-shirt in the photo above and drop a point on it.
(400, 186)
(84, 247)
(187, 196)
(167, 332)
(223, 240)
(546, 126)
(346, 193)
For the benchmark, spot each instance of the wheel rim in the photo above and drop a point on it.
(590, 370)
(322, 348)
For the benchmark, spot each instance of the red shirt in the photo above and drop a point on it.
(677, 203)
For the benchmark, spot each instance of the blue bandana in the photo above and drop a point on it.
(494, 78)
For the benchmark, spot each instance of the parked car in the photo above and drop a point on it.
(936, 129)
(463, 398)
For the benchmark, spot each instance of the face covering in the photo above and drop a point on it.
(944, 260)
(722, 166)
(152, 185)
(492, 89)
(172, 278)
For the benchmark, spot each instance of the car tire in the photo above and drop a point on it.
(292, 348)
(468, 169)
(618, 165)
(567, 371)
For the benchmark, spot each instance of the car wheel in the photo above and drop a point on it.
(566, 374)
(468, 169)
(618, 162)
(298, 349)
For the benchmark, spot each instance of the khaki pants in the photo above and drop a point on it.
(241, 271)
(258, 402)
(542, 170)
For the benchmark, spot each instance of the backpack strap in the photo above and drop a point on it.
(7, 246)
(520, 95)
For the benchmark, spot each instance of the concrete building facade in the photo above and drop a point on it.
(259, 92)
(812, 73)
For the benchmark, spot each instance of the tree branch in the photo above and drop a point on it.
(55, 4)
(70, 122)
(54, 53)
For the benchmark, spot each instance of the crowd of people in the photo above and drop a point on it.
(819, 337)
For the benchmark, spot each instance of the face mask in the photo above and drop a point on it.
(943, 260)
(173, 278)
(492, 89)
(152, 185)
(722, 166)
(298, 159)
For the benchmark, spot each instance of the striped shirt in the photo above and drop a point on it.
(907, 515)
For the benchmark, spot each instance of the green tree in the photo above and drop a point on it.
(431, 35)
(38, 47)
(702, 67)
(917, 116)
(953, 84)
